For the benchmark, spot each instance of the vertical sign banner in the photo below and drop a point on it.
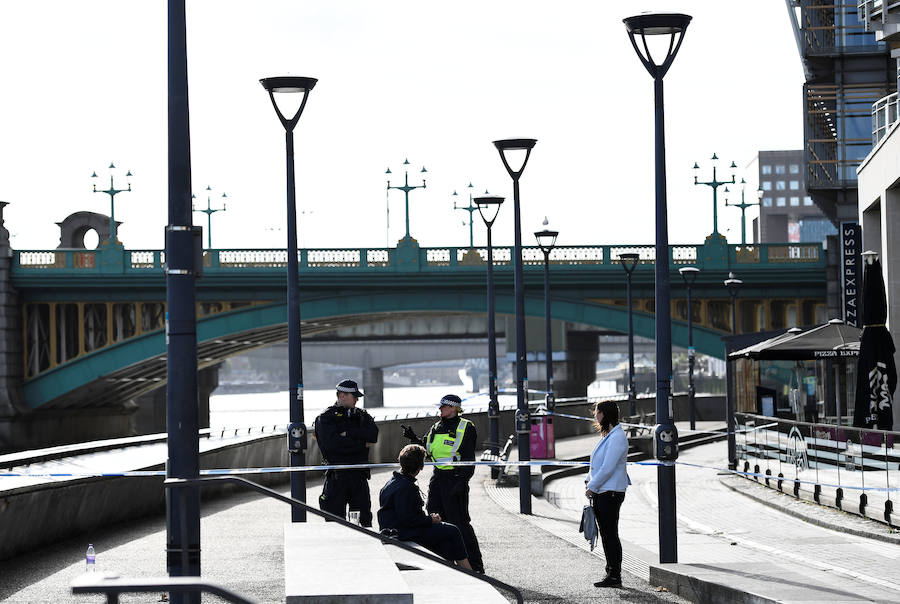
(851, 272)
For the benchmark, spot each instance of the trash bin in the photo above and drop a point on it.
(543, 444)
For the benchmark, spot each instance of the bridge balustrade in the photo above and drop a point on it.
(607, 256)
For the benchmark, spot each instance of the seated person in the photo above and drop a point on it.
(402, 509)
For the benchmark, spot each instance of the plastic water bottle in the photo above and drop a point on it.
(90, 558)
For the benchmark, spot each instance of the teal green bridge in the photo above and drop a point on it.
(92, 322)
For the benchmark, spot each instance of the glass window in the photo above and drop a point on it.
(795, 169)
(780, 201)
(779, 169)
(767, 185)
(767, 202)
(768, 169)
(795, 185)
(795, 201)
(779, 185)
(807, 201)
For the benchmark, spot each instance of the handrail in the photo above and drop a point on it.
(171, 483)
(113, 585)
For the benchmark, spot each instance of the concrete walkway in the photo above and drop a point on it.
(732, 547)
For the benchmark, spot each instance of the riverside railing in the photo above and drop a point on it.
(853, 469)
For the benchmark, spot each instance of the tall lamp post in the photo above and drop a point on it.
(689, 274)
(513, 149)
(112, 191)
(629, 262)
(733, 285)
(406, 188)
(546, 239)
(674, 26)
(488, 208)
(743, 206)
(182, 240)
(291, 85)
(714, 184)
(209, 211)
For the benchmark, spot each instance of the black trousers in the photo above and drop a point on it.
(345, 488)
(606, 509)
(443, 539)
(448, 496)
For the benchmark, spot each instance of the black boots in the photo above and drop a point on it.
(609, 581)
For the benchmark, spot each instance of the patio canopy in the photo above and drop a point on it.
(835, 339)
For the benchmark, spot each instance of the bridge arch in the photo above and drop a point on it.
(126, 369)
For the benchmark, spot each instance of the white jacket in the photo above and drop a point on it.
(607, 471)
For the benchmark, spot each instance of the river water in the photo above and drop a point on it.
(271, 408)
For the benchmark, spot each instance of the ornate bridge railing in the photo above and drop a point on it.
(421, 259)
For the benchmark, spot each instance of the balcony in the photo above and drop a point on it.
(884, 114)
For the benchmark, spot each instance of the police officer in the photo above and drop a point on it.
(344, 434)
(450, 439)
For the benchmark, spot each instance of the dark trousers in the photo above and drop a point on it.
(606, 509)
(448, 496)
(443, 539)
(345, 488)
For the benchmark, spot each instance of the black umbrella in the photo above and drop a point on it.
(876, 376)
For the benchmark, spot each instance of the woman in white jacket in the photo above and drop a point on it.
(606, 484)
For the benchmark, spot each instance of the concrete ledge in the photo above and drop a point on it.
(327, 563)
(704, 585)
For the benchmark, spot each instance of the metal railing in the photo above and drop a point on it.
(385, 260)
(179, 483)
(884, 115)
(854, 469)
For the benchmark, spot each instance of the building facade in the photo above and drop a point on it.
(879, 174)
(787, 213)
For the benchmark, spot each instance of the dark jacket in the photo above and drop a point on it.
(402, 507)
(342, 434)
(466, 448)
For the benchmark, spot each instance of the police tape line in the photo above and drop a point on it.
(646, 426)
(325, 467)
(503, 464)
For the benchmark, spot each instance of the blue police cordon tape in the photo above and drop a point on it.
(554, 463)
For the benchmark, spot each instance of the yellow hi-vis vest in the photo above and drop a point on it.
(442, 448)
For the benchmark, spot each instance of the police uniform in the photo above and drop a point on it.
(453, 439)
(342, 434)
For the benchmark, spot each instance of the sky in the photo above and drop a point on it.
(84, 84)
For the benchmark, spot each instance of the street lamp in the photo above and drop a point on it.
(743, 206)
(112, 191)
(732, 284)
(515, 149)
(689, 274)
(488, 208)
(406, 188)
(546, 239)
(288, 86)
(209, 211)
(715, 184)
(629, 262)
(672, 25)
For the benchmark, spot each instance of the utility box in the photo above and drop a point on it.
(543, 443)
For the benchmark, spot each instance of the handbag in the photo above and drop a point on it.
(589, 525)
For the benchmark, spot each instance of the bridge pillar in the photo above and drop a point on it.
(373, 387)
(150, 417)
(11, 370)
(573, 374)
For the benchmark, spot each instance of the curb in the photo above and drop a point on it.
(683, 581)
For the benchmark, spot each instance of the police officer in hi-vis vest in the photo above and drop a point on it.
(452, 439)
